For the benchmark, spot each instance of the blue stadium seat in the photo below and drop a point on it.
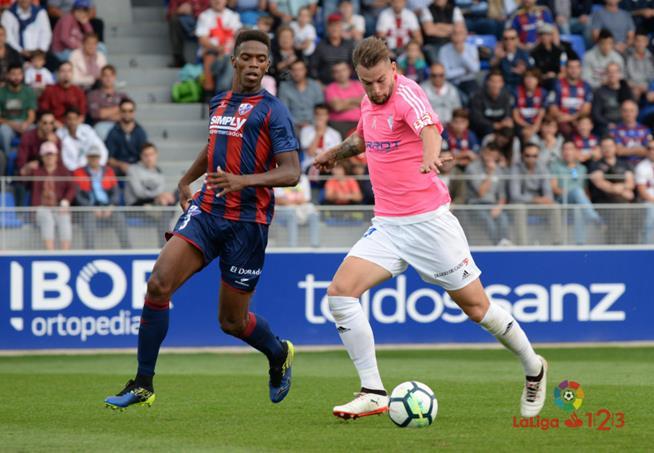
(487, 41)
(577, 43)
(9, 219)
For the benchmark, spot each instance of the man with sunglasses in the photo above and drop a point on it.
(126, 139)
(442, 95)
(511, 59)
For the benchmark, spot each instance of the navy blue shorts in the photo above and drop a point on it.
(241, 246)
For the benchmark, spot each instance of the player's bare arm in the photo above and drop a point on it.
(431, 150)
(285, 174)
(196, 170)
(351, 146)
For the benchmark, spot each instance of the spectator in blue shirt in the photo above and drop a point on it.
(511, 59)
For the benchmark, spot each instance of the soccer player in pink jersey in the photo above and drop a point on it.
(400, 135)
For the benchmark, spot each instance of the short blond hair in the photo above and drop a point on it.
(369, 52)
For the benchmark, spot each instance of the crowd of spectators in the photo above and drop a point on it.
(65, 128)
(559, 110)
(530, 121)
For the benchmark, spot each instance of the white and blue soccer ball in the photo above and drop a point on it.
(412, 405)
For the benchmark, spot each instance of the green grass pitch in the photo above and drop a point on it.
(219, 402)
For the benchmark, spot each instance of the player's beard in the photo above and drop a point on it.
(386, 96)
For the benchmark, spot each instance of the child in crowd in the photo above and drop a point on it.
(37, 76)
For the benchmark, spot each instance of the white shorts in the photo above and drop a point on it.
(433, 243)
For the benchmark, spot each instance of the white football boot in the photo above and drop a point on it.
(362, 405)
(533, 394)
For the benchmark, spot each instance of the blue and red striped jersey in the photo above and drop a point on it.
(246, 131)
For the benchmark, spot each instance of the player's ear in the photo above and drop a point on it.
(233, 58)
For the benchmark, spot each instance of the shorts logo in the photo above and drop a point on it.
(242, 271)
(244, 108)
(463, 262)
(369, 232)
(193, 210)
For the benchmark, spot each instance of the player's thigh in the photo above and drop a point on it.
(355, 276)
(177, 261)
(438, 250)
(472, 299)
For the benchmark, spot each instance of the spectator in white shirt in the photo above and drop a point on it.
(644, 178)
(398, 25)
(317, 137)
(28, 27)
(305, 32)
(216, 31)
(36, 75)
(293, 208)
(354, 25)
(77, 139)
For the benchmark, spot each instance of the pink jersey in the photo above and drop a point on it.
(394, 152)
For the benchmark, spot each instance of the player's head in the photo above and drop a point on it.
(372, 62)
(251, 59)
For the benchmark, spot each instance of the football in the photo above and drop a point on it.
(412, 405)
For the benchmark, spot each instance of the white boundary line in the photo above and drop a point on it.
(325, 348)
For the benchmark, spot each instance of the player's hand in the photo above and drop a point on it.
(324, 162)
(185, 196)
(228, 182)
(432, 164)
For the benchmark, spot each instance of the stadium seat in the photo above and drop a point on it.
(9, 218)
(577, 43)
(486, 41)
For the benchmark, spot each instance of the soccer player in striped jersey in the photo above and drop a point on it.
(401, 136)
(251, 148)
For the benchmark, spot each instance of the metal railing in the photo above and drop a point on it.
(84, 228)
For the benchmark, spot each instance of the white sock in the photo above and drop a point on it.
(356, 334)
(506, 329)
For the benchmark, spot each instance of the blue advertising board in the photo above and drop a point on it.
(95, 300)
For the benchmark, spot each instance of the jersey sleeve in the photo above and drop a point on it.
(282, 133)
(415, 109)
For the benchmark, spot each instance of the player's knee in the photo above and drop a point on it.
(159, 288)
(338, 288)
(233, 327)
(476, 312)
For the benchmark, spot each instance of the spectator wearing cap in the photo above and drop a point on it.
(548, 57)
(17, 107)
(77, 138)
(126, 139)
(59, 8)
(491, 108)
(399, 26)
(344, 97)
(443, 96)
(8, 56)
(70, 30)
(87, 62)
(284, 11)
(526, 21)
(598, 58)
(330, 50)
(511, 59)
(216, 32)
(608, 98)
(146, 187)
(182, 18)
(617, 21)
(300, 94)
(63, 96)
(97, 188)
(28, 28)
(437, 22)
(52, 193)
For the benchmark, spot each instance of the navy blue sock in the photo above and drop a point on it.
(152, 331)
(258, 335)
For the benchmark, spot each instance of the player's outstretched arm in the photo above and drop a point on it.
(196, 170)
(431, 150)
(285, 174)
(351, 146)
